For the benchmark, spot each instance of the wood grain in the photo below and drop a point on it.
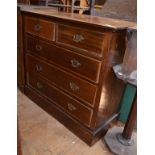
(91, 42)
(83, 90)
(51, 65)
(89, 68)
(39, 27)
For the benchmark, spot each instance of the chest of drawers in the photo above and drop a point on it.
(68, 71)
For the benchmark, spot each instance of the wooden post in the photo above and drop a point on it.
(129, 126)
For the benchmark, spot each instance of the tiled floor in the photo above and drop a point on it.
(41, 134)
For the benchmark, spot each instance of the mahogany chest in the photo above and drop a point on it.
(68, 71)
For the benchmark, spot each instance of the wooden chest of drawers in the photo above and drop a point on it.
(68, 71)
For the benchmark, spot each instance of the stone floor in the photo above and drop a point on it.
(41, 134)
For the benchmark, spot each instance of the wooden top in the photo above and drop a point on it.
(99, 21)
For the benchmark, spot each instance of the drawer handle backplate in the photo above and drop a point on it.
(71, 107)
(39, 85)
(74, 87)
(39, 47)
(37, 27)
(75, 63)
(39, 68)
(78, 38)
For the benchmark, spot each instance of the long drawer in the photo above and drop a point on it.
(77, 87)
(40, 27)
(65, 102)
(91, 42)
(84, 66)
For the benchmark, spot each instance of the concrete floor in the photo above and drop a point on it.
(41, 134)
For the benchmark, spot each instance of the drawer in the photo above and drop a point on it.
(65, 102)
(40, 27)
(91, 42)
(84, 66)
(75, 86)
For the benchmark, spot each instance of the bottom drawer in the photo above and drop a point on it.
(67, 103)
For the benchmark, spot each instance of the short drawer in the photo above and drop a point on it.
(84, 66)
(75, 86)
(40, 27)
(65, 102)
(91, 42)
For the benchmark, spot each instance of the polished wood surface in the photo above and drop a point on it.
(111, 89)
(108, 23)
(88, 68)
(71, 106)
(74, 84)
(81, 38)
(39, 27)
(79, 88)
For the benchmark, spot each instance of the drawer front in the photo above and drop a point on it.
(81, 39)
(40, 27)
(77, 87)
(68, 104)
(81, 65)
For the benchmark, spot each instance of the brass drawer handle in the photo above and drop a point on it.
(37, 27)
(39, 85)
(74, 87)
(39, 47)
(75, 63)
(78, 38)
(39, 67)
(71, 107)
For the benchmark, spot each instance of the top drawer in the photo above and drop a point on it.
(40, 27)
(88, 41)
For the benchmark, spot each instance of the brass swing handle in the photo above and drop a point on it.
(78, 38)
(37, 27)
(75, 63)
(74, 87)
(39, 47)
(39, 85)
(39, 67)
(71, 107)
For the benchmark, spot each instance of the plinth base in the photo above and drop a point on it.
(112, 139)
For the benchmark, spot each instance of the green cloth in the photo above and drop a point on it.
(127, 102)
